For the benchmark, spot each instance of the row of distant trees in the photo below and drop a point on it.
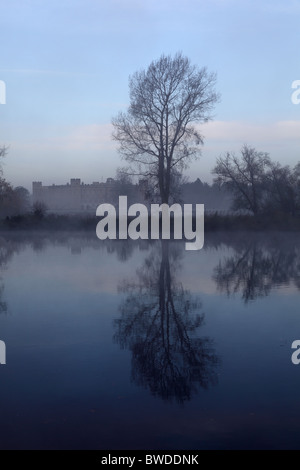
(250, 182)
(258, 184)
(13, 201)
(159, 135)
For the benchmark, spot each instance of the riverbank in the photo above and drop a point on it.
(212, 223)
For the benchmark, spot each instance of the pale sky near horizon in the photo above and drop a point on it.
(66, 65)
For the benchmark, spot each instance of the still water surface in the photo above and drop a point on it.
(128, 345)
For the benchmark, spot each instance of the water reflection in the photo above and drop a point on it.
(160, 323)
(7, 249)
(257, 265)
(64, 369)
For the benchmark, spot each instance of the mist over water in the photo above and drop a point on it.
(142, 344)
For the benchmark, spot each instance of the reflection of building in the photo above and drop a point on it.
(77, 197)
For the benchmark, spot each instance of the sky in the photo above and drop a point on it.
(66, 65)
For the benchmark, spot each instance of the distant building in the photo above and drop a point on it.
(77, 197)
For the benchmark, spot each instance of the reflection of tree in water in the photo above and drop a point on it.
(3, 305)
(7, 249)
(255, 268)
(159, 324)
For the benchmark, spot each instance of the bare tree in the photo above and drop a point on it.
(244, 176)
(22, 197)
(39, 209)
(157, 134)
(281, 187)
(3, 152)
(6, 190)
(7, 199)
(296, 173)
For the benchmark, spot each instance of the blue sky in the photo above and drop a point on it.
(66, 65)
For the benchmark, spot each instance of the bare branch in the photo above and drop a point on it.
(165, 100)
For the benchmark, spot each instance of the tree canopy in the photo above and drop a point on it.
(157, 135)
(257, 183)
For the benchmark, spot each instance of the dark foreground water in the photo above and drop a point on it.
(128, 345)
